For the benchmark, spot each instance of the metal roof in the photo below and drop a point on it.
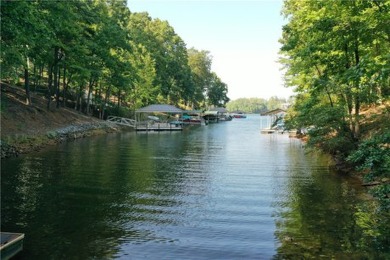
(273, 112)
(209, 112)
(219, 109)
(159, 108)
(193, 111)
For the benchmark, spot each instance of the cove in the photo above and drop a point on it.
(222, 191)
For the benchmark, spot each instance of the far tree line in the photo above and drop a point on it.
(257, 105)
(97, 54)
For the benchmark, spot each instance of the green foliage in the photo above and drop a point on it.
(217, 92)
(335, 143)
(382, 192)
(99, 50)
(325, 124)
(121, 112)
(331, 53)
(337, 51)
(51, 134)
(3, 103)
(200, 65)
(336, 55)
(255, 105)
(373, 155)
(170, 76)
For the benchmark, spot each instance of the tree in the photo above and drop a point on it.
(144, 91)
(217, 92)
(19, 38)
(329, 49)
(200, 64)
(97, 52)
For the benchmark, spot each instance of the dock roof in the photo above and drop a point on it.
(163, 108)
(219, 109)
(273, 112)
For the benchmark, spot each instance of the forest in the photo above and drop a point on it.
(336, 56)
(98, 57)
(257, 105)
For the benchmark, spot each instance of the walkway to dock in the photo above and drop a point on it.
(122, 121)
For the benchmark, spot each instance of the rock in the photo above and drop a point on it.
(70, 132)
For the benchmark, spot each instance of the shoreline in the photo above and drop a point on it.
(15, 145)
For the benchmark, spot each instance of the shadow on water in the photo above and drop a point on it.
(325, 214)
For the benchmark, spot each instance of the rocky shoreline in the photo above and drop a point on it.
(23, 144)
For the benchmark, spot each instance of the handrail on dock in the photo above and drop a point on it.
(122, 121)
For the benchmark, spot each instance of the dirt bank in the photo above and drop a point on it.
(27, 128)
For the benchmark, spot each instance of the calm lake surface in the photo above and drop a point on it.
(222, 191)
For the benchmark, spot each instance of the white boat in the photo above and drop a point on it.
(154, 118)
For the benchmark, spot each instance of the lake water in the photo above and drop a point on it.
(222, 191)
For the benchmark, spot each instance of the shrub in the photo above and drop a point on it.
(51, 134)
(373, 155)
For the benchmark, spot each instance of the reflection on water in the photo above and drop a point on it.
(321, 219)
(223, 191)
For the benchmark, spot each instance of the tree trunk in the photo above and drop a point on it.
(349, 120)
(64, 87)
(40, 75)
(90, 88)
(108, 92)
(27, 86)
(78, 99)
(35, 78)
(49, 83)
(357, 117)
(357, 97)
(119, 99)
(58, 87)
(99, 94)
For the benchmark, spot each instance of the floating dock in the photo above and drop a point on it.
(159, 127)
(11, 244)
(269, 131)
(291, 133)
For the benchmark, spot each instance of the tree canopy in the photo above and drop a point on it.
(97, 54)
(336, 56)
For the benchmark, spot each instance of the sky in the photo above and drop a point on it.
(241, 36)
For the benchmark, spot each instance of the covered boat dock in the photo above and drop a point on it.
(274, 122)
(159, 117)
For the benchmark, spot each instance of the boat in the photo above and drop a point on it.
(154, 118)
(176, 123)
(193, 117)
(239, 115)
(192, 121)
(225, 118)
(11, 244)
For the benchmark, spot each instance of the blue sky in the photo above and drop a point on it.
(241, 36)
